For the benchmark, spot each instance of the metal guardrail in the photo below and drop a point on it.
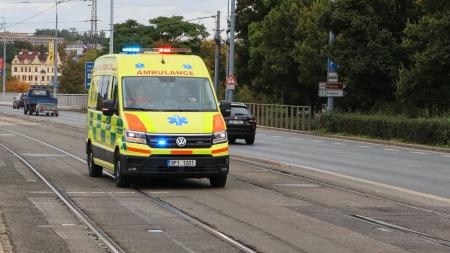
(270, 115)
(65, 101)
(282, 116)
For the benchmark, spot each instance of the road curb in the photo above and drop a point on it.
(360, 139)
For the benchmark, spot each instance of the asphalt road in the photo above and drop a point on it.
(267, 211)
(422, 171)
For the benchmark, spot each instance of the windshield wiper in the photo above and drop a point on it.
(183, 110)
(140, 109)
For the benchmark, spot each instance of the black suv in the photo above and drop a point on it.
(240, 124)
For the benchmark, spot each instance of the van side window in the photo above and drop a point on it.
(115, 92)
(103, 90)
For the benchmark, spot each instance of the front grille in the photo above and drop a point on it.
(192, 141)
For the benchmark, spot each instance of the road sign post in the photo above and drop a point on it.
(89, 67)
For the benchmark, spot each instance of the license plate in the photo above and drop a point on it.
(181, 163)
(236, 122)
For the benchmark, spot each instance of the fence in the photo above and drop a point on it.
(282, 116)
(65, 101)
(271, 115)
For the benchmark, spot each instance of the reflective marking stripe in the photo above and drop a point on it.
(219, 150)
(134, 123)
(139, 150)
(181, 152)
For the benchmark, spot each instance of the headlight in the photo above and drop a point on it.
(135, 137)
(220, 137)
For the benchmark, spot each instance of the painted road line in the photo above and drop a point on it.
(316, 141)
(362, 146)
(338, 143)
(6, 134)
(361, 180)
(276, 136)
(43, 155)
(391, 149)
(419, 153)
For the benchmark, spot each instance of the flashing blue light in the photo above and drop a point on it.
(162, 142)
(131, 50)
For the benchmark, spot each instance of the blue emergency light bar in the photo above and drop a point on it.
(132, 50)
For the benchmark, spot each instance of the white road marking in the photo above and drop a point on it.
(68, 225)
(391, 149)
(365, 181)
(419, 153)
(155, 231)
(316, 141)
(362, 146)
(6, 134)
(276, 136)
(158, 192)
(446, 155)
(338, 143)
(296, 139)
(42, 155)
(40, 192)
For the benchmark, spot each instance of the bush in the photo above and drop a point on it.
(433, 131)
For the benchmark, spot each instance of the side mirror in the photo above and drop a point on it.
(225, 108)
(108, 107)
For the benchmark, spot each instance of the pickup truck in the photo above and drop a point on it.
(40, 101)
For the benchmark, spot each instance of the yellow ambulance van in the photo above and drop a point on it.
(155, 114)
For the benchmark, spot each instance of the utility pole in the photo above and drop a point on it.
(217, 61)
(94, 22)
(227, 42)
(330, 100)
(55, 68)
(4, 57)
(229, 92)
(111, 32)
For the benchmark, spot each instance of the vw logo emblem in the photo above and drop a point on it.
(181, 142)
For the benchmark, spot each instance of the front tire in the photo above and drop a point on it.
(122, 181)
(218, 181)
(94, 169)
(250, 140)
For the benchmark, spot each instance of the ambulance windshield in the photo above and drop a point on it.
(168, 94)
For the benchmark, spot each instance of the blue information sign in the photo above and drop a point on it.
(88, 74)
(332, 66)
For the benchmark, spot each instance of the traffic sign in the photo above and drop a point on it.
(331, 93)
(332, 77)
(331, 86)
(332, 66)
(1, 65)
(231, 81)
(88, 68)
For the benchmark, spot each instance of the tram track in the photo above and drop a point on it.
(349, 213)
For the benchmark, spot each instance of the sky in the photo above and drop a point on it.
(76, 13)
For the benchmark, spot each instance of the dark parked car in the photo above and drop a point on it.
(40, 101)
(240, 124)
(18, 101)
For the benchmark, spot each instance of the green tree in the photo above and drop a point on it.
(131, 31)
(177, 32)
(72, 79)
(425, 82)
(248, 12)
(368, 48)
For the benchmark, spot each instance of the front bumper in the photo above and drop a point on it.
(156, 166)
(240, 131)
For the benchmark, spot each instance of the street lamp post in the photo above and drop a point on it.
(55, 68)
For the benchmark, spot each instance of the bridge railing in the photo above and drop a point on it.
(282, 116)
(65, 101)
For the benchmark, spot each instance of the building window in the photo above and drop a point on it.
(35, 69)
(15, 69)
(35, 78)
(43, 78)
(24, 78)
(21, 69)
(25, 69)
(29, 69)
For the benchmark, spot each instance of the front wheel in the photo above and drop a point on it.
(218, 181)
(250, 140)
(94, 169)
(122, 181)
(25, 110)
